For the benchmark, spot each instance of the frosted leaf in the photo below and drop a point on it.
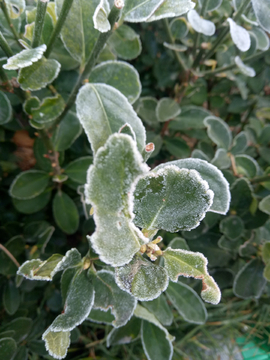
(171, 8)
(167, 109)
(264, 205)
(247, 166)
(160, 308)
(139, 10)
(143, 279)
(100, 17)
(262, 12)
(214, 177)
(109, 296)
(244, 69)
(78, 304)
(201, 25)
(191, 264)
(56, 343)
(127, 129)
(263, 41)
(240, 36)
(171, 199)
(144, 314)
(125, 334)
(221, 159)
(240, 143)
(218, 131)
(102, 111)
(109, 189)
(175, 47)
(25, 58)
(45, 270)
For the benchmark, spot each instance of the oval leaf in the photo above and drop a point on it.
(264, 205)
(240, 36)
(262, 12)
(57, 343)
(218, 131)
(245, 70)
(67, 132)
(5, 109)
(200, 25)
(167, 109)
(65, 213)
(8, 348)
(171, 8)
(77, 169)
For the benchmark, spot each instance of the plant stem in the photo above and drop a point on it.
(39, 22)
(232, 66)
(9, 255)
(12, 28)
(4, 45)
(171, 39)
(4, 79)
(198, 35)
(58, 27)
(101, 41)
(226, 30)
(259, 179)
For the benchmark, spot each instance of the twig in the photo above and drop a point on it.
(4, 45)
(12, 28)
(39, 22)
(9, 255)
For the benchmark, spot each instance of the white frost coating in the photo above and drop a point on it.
(263, 40)
(142, 313)
(127, 129)
(171, 8)
(140, 10)
(215, 179)
(25, 58)
(246, 70)
(262, 12)
(221, 159)
(218, 131)
(201, 25)
(100, 17)
(60, 343)
(240, 36)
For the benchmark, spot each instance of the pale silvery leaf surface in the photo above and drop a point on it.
(45, 270)
(78, 304)
(191, 264)
(187, 302)
(100, 17)
(110, 182)
(240, 143)
(144, 314)
(78, 33)
(175, 47)
(263, 40)
(109, 295)
(171, 8)
(264, 205)
(102, 111)
(221, 159)
(167, 109)
(247, 166)
(212, 4)
(201, 25)
(127, 129)
(160, 308)
(143, 279)
(119, 74)
(25, 58)
(139, 10)
(244, 69)
(218, 131)
(262, 12)
(240, 36)
(216, 181)
(56, 343)
(171, 199)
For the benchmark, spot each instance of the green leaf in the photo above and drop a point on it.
(142, 313)
(5, 109)
(25, 58)
(212, 4)
(246, 165)
(266, 252)
(160, 308)
(175, 47)
(34, 205)
(171, 8)
(38, 75)
(240, 143)
(109, 295)
(139, 10)
(177, 147)
(120, 162)
(179, 243)
(11, 297)
(249, 282)
(80, 39)
(244, 69)
(15, 8)
(171, 199)
(242, 198)
(16, 246)
(45, 270)
(214, 177)
(262, 12)
(21, 326)
(147, 110)
(144, 280)
(100, 17)
(120, 75)
(221, 159)
(8, 348)
(205, 27)
(262, 38)
(187, 303)
(29, 184)
(125, 334)
(47, 28)
(57, 343)
(232, 227)
(21, 353)
(125, 42)
(77, 169)
(67, 131)
(49, 109)
(179, 28)
(167, 109)
(155, 344)
(190, 264)
(190, 117)
(102, 111)
(79, 302)
(65, 213)
(218, 131)
(101, 316)
(264, 205)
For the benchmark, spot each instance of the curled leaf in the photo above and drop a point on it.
(201, 25)
(25, 58)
